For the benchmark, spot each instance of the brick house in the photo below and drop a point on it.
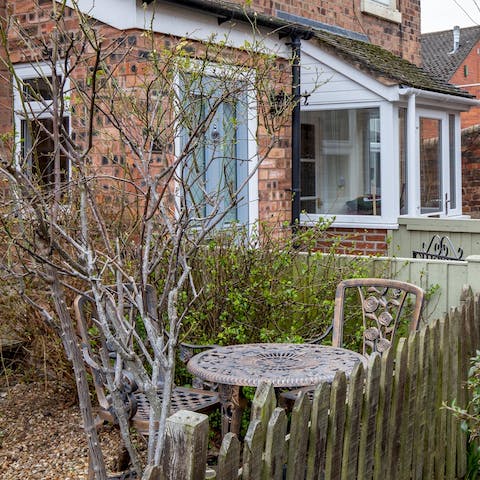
(454, 57)
(356, 148)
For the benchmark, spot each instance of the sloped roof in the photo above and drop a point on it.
(384, 65)
(436, 48)
(381, 63)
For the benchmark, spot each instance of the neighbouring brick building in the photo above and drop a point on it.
(350, 152)
(454, 56)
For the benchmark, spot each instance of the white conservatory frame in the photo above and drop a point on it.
(342, 87)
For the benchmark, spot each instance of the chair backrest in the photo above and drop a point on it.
(382, 304)
(96, 351)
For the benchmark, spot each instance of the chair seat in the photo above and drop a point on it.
(183, 398)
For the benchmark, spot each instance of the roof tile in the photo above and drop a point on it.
(437, 47)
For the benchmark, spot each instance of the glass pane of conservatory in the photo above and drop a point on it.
(430, 165)
(341, 162)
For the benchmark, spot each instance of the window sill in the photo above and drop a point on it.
(385, 12)
(345, 221)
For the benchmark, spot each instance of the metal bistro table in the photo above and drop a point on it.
(281, 364)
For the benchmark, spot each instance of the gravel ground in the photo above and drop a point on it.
(41, 436)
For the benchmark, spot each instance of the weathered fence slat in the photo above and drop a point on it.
(369, 413)
(422, 392)
(443, 394)
(336, 424)
(297, 447)
(254, 443)
(275, 446)
(263, 403)
(396, 414)
(186, 444)
(450, 464)
(408, 424)
(430, 414)
(318, 433)
(383, 425)
(352, 423)
(462, 369)
(229, 458)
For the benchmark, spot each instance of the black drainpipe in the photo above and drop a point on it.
(296, 129)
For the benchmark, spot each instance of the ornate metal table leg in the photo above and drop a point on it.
(232, 405)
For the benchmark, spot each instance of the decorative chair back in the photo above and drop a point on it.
(99, 354)
(383, 302)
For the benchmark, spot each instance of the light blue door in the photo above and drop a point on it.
(218, 166)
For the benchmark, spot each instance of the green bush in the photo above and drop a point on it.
(269, 286)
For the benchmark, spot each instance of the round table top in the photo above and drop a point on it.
(281, 364)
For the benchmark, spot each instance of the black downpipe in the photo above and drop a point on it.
(296, 129)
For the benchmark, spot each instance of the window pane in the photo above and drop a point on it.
(38, 149)
(453, 170)
(346, 175)
(430, 165)
(37, 89)
(308, 179)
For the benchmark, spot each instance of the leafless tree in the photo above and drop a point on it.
(128, 152)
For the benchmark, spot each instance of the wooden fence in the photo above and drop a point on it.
(385, 422)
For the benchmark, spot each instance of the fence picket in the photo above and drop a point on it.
(263, 403)
(462, 369)
(430, 401)
(297, 447)
(476, 322)
(451, 378)
(275, 446)
(383, 425)
(442, 386)
(254, 443)
(187, 431)
(318, 433)
(370, 409)
(336, 424)
(352, 423)
(407, 434)
(422, 391)
(398, 393)
(229, 458)
(467, 324)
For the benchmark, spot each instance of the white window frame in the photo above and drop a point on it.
(388, 171)
(216, 70)
(31, 109)
(386, 9)
(444, 211)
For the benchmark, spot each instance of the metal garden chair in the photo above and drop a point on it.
(136, 402)
(383, 304)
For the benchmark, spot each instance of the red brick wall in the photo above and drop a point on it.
(355, 241)
(109, 155)
(471, 172)
(402, 39)
(472, 62)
